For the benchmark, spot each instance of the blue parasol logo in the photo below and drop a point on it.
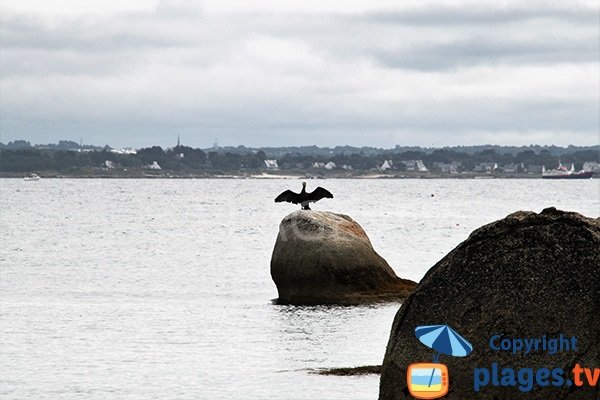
(444, 340)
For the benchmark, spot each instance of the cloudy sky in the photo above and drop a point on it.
(275, 72)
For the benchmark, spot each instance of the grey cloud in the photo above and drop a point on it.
(99, 34)
(80, 77)
(335, 36)
(487, 51)
(450, 38)
(477, 14)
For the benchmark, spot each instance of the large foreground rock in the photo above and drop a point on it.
(327, 258)
(525, 276)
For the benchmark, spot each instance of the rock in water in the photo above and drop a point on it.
(525, 276)
(327, 258)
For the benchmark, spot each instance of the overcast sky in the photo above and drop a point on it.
(275, 72)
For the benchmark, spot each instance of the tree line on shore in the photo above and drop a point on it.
(215, 160)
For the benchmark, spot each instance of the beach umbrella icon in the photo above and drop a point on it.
(444, 340)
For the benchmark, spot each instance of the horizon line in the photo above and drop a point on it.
(216, 145)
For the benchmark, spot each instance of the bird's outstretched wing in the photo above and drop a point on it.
(288, 196)
(320, 193)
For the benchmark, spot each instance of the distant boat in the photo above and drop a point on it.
(32, 177)
(563, 173)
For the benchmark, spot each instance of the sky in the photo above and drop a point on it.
(134, 73)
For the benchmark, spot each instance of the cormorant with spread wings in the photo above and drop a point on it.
(304, 198)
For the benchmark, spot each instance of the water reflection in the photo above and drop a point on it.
(331, 335)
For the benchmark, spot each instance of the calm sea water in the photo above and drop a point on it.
(160, 289)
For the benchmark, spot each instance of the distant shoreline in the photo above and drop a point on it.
(182, 162)
(264, 175)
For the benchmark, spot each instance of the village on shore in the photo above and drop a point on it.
(70, 159)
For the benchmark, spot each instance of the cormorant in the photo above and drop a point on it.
(304, 198)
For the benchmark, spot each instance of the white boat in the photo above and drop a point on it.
(32, 177)
(563, 173)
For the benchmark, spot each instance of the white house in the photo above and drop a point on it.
(591, 166)
(330, 165)
(126, 150)
(510, 168)
(271, 164)
(387, 165)
(486, 167)
(448, 168)
(415, 165)
(154, 166)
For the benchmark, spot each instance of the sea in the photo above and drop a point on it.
(160, 289)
